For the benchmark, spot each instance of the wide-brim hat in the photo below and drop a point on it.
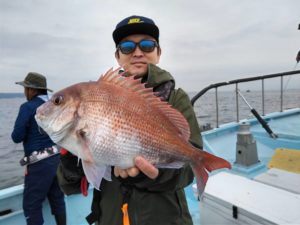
(135, 25)
(34, 80)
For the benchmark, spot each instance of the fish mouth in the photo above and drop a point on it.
(39, 119)
(56, 136)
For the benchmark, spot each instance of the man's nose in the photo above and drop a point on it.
(137, 51)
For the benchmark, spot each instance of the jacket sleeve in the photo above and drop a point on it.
(181, 101)
(21, 124)
(172, 179)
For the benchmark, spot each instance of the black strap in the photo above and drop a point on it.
(96, 211)
(126, 189)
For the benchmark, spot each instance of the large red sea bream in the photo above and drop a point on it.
(111, 121)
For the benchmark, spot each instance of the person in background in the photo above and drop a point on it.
(41, 156)
(141, 195)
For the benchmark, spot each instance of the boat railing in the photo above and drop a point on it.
(236, 82)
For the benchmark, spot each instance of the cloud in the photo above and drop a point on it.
(202, 41)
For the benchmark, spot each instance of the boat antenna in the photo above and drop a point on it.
(298, 55)
(289, 78)
(297, 62)
(258, 117)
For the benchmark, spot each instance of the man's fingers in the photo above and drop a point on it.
(147, 168)
(123, 173)
(133, 171)
(141, 164)
(120, 172)
(116, 172)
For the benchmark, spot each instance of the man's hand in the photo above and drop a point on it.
(141, 165)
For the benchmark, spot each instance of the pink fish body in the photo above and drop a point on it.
(111, 121)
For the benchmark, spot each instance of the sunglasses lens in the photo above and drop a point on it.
(147, 45)
(127, 47)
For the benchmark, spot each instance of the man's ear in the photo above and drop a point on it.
(117, 55)
(159, 50)
(158, 55)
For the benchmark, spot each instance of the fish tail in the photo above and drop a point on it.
(206, 162)
(201, 177)
(212, 162)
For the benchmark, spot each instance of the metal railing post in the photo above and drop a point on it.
(217, 106)
(263, 96)
(237, 102)
(281, 93)
(243, 80)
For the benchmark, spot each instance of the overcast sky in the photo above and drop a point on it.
(202, 41)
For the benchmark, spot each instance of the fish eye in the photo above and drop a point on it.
(58, 100)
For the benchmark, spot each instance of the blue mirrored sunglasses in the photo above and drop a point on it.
(127, 47)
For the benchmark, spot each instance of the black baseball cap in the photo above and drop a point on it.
(135, 25)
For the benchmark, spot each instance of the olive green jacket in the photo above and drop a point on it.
(160, 201)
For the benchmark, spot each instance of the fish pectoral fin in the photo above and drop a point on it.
(82, 133)
(107, 173)
(84, 141)
(95, 173)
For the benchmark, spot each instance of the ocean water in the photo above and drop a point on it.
(206, 110)
(10, 153)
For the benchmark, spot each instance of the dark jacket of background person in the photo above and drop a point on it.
(40, 177)
(26, 129)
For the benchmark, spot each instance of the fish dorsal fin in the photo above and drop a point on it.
(135, 85)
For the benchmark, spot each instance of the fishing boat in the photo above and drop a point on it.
(11, 211)
(263, 186)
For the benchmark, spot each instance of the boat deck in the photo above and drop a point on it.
(222, 142)
(284, 124)
(12, 213)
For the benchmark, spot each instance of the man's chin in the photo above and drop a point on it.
(139, 72)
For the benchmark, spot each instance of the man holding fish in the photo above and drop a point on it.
(136, 135)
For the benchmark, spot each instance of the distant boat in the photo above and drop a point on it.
(248, 90)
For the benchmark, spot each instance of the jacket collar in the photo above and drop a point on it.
(156, 76)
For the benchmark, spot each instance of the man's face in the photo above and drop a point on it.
(29, 93)
(135, 63)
